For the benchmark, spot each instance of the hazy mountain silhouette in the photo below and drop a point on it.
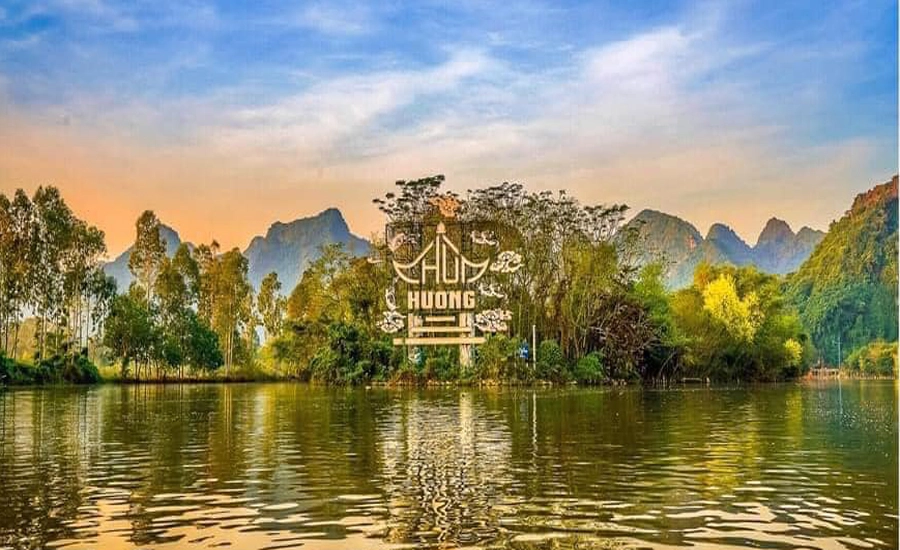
(289, 248)
(678, 244)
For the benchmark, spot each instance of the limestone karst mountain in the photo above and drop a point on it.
(288, 248)
(846, 291)
(676, 242)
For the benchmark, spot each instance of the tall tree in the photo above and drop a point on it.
(53, 234)
(148, 253)
(230, 301)
(271, 305)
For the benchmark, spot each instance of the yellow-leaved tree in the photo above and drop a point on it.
(740, 317)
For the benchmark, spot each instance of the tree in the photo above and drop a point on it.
(231, 302)
(271, 305)
(130, 334)
(17, 256)
(202, 351)
(739, 316)
(148, 253)
(51, 236)
(738, 325)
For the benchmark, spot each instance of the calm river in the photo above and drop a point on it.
(287, 466)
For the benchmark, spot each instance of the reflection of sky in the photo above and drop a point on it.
(715, 111)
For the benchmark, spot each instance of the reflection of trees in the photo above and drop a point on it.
(45, 452)
(445, 464)
(121, 465)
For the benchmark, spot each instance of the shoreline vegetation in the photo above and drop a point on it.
(601, 318)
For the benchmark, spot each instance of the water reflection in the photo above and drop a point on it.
(285, 466)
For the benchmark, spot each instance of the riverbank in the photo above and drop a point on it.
(79, 370)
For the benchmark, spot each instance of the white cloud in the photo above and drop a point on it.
(333, 21)
(320, 119)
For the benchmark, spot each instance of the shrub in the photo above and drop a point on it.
(874, 359)
(551, 364)
(442, 364)
(11, 372)
(70, 368)
(493, 359)
(589, 369)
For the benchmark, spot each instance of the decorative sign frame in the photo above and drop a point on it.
(447, 273)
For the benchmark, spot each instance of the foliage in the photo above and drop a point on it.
(131, 335)
(49, 266)
(589, 369)
(191, 310)
(878, 358)
(271, 304)
(740, 316)
(442, 364)
(69, 368)
(598, 316)
(149, 252)
(335, 289)
(739, 326)
(495, 359)
(351, 356)
(551, 364)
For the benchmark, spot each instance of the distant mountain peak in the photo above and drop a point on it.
(808, 234)
(330, 216)
(289, 247)
(681, 248)
(776, 230)
(722, 232)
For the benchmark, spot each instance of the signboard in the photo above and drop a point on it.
(445, 288)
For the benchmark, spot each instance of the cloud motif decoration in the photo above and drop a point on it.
(485, 238)
(493, 320)
(490, 290)
(507, 262)
(391, 320)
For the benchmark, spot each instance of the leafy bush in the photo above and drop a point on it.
(551, 363)
(875, 359)
(589, 369)
(494, 358)
(350, 356)
(10, 371)
(442, 364)
(70, 368)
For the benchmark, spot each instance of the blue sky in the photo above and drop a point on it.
(225, 116)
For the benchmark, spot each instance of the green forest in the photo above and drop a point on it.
(599, 315)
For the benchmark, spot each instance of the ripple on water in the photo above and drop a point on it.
(286, 466)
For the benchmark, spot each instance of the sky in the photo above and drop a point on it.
(224, 117)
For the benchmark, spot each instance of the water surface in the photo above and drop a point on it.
(291, 466)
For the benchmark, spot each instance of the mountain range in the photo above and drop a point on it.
(287, 249)
(680, 246)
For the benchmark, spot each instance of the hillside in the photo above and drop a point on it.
(847, 289)
(288, 248)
